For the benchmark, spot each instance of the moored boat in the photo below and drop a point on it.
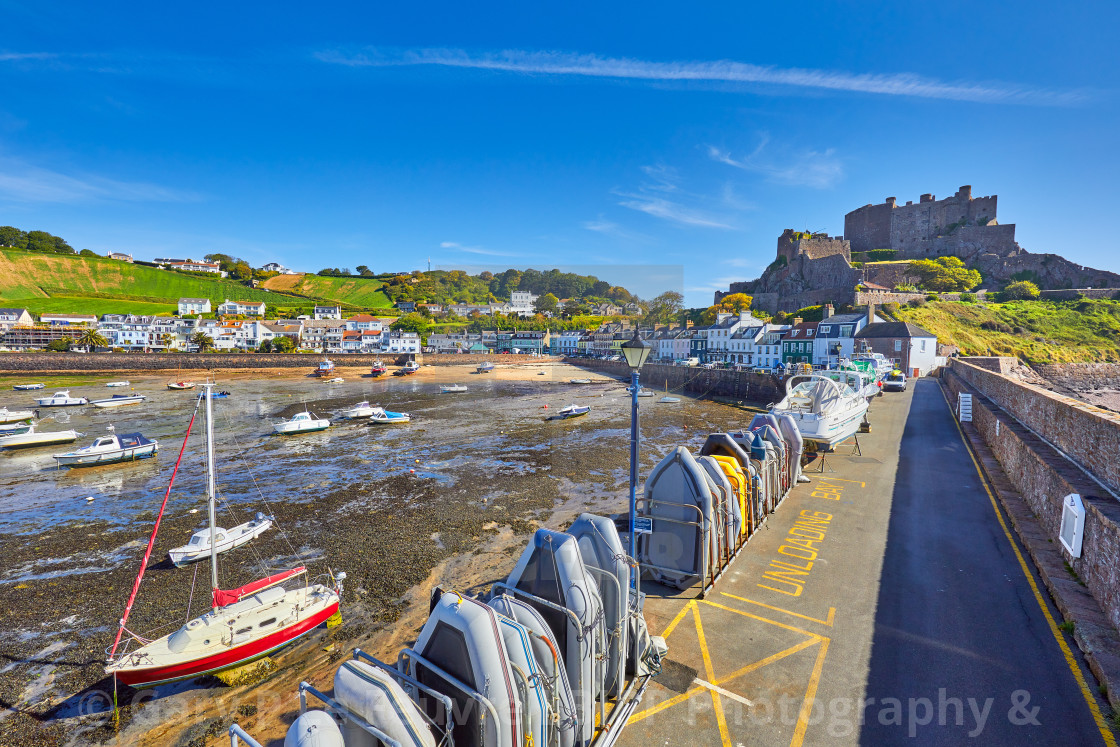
(301, 422)
(325, 368)
(227, 539)
(452, 389)
(378, 369)
(410, 367)
(572, 411)
(14, 416)
(669, 400)
(119, 400)
(335, 380)
(32, 437)
(61, 399)
(28, 387)
(213, 395)
(381, 415)
(579, 381)
(14, 429)
(242, 625)
(180, 385)
(118, 383)
(111, 449)
(485, 367)
(361, 410)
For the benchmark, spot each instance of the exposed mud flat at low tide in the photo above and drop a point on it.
(450, 498)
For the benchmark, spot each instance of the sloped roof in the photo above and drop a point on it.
(893, 329)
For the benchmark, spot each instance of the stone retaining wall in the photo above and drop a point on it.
(1091, 437)
(466, 359)
(738, 385)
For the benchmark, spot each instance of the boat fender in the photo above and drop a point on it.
(314, 729)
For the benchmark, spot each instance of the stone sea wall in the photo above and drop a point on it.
(738, 385)
(1022, 424)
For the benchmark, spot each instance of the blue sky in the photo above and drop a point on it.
(570, 134)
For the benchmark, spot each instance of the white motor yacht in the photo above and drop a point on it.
(61, 399)
(14, 416)
(826, 412)
(111, 449)
(119, 400)
(227, 539)
(302, 422)
(361, 410)
(32, 437)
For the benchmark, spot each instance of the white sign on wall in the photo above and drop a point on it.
(1073, 524)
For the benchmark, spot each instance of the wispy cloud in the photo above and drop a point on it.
(612, 229)
(817, 169)
(720, 71)
(456, 246)
(671, 211)
(25, 56)
(21, 182)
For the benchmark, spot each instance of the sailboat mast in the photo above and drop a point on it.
(211, 497)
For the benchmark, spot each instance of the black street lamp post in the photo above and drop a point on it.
(635, 351)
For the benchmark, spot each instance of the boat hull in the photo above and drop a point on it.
(62, 403)
(283, 430)
(31, 440)
(16, 417)
(235, 656)
(829, 432)
(146, 451)
(118, 402)
(180, 386)
(28, 387)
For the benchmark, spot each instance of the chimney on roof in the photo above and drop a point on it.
(870, 313)
(797, 320)
(827, 310)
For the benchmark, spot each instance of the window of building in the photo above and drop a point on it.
(898, 346)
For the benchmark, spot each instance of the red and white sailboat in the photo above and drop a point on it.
(243, 624)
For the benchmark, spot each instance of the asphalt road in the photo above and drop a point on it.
(956, 618)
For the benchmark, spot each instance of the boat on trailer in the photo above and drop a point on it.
(826, 412)
(112, 449)
(242, 625)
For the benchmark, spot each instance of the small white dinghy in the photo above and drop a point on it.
(645, 393)
(452, 389)
(118, 383)
(14, 429)
(361, 410)
(381, 415)
(110, 450)
(669, 400)
(199, 546)
(579, 381)
(61, 399)
(28, 387)
(335, 380)
(572, 411)
(14, 416)
(119, 400)
(302, 422)
(33, 438)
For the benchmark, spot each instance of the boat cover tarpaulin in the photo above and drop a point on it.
(130, 440)
(223, 597)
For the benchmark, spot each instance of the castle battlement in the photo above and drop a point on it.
(794, 244)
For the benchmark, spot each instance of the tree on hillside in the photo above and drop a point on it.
(945, 274)
(91, 338)
(730, 304)
(412, 323)
(88, 253)
(664, 308)
(364, 271)
(1020, 290)
(546, 303)
(12, 236)
(41, 241)
(203, 341)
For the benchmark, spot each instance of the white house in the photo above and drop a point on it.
(277, 267)
(836, 335)
(194, 306)
(910, 347)
(15, 318)
(401, 343)
(721, 334)
(364, 322)
(567, 342)
(327, 312)
(68, 320)
(120, 256)
(192, 266)
(521, 303)
(244, 308)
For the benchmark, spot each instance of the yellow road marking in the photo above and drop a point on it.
(810, 695)
(717, 704)
(756, 617)
(680, 616)
(769, 660)
(827, 621)
(636, 717)
(1106, 733)
(862, 484)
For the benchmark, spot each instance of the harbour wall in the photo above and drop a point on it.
(1050, 446)
(737, 385)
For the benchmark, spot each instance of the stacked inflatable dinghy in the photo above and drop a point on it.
(558, 656)
(704, 508)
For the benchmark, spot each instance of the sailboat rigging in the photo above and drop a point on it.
(243, 624)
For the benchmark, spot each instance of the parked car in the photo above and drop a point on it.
(895, 381)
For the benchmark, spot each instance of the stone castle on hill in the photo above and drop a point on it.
(815, 268)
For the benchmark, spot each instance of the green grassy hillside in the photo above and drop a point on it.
(86, 305)
(1036, 331)
(363, 292)
(25, 275)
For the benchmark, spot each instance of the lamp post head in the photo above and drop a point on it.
(635, 351)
